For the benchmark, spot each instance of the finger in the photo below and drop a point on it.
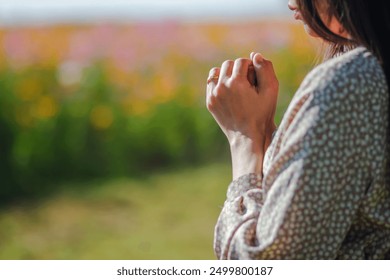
(226, 70)
(252, 72)
(265, 74)
(241, 67)
(213, 77)
(212, 81)
(252, 75)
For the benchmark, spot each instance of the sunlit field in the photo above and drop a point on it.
(107, 150)
(168, 215)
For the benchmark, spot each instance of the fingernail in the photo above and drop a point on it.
(258, 59)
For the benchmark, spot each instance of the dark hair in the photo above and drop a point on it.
(368, 23)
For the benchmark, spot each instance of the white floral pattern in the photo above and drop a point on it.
(324, 193)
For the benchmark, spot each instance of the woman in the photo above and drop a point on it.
(319, 189)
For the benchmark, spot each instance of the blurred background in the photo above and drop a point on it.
(106, 148)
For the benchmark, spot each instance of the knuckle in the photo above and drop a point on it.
(234, 82)
(237, 81)
(241, 60)
(228, 62)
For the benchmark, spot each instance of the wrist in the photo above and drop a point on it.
(247, 155)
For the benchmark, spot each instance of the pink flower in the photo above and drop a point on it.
(19, 48)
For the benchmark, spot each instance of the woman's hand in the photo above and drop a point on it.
(242, 96)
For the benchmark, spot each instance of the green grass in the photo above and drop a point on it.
(169, 215)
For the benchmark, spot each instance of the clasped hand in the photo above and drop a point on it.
(242, 97)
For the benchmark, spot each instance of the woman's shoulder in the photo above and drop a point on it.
(347, 94)
(349, 76)
(350, 88)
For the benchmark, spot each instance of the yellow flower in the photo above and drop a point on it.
(45, 108)
(101, 117)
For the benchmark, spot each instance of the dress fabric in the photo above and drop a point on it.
(323, 193)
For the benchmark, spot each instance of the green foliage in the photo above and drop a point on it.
(40, 151)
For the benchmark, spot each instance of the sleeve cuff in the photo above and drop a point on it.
(243, 184)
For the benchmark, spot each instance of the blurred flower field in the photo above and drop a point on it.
(106, 148)
(81, 102)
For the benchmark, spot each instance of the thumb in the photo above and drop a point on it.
(265, 74)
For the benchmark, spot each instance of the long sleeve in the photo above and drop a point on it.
(316, 177)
